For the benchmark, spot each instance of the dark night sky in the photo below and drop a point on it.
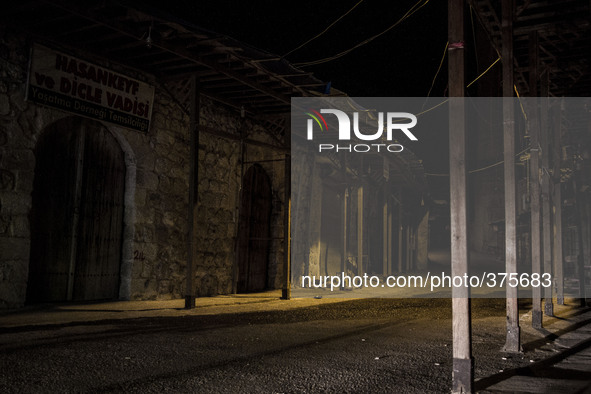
(401, 62)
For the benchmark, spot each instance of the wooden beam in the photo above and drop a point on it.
(534, 180)
(513, 338)
(175, 49)
(545, 178)
(193, 193)
(463, 363)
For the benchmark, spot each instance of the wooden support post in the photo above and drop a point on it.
(558, 258)
(391, 233)
(583, 237)
(286, 291)
(545, 178)
(345, 251)
(583, 233)
(535, 178)
(360, 230)
(463, 363)
(400, 233)
(513, 339)
(193, 195)
(386, 235)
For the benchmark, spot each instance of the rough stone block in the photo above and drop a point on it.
(4, 105)
(14, 249)
(24, 181)
(13, 203)
(7, 180)
(146, 179)
(140, 197)
(20, 227)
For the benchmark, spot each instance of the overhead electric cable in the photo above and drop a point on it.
(325, 30)
(410, 12)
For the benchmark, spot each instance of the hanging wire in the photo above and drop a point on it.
(484, 72)
(409, 13)
(438, 69)
(323, 31)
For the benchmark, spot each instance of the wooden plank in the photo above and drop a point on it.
(534, 180)
(77, 197)
(192, 223)
(513, 339)
(545, 178)
(463, 363)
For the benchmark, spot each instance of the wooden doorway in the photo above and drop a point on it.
(77, 214)
(254, 231)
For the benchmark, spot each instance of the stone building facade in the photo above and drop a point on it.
(153, 235)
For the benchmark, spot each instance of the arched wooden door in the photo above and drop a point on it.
(254, 231)
(77, 214)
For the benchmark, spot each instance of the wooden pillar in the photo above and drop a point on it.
(391, 233)
(286, 291)
(545, 178)
(345, 251)
(535, 178)
(557, 198)
(386, 235)
(360, 230)
(193, 189)
(513, 339)
(463, 363)
(583, 236)
(400, 233)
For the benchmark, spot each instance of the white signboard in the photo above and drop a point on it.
(62, 81)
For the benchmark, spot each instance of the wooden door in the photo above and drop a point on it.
(77, 214)
(254, 231)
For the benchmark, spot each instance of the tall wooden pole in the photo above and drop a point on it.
(360, 230)
(545, 178)
(557, 198)
(463, 363)
(286, 291)
(386, 240)
(583, 235)
(513, 342)
(345, 233)
(193, 188)
(535, 178)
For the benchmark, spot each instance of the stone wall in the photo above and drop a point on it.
(158, 200)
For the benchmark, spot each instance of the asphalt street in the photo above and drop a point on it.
(357, 346)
